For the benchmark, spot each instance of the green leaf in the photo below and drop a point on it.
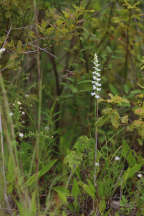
(64, 214)
(118, 100)
(73, 88)
(73, 160)
(89, 189)
(84, 81)
(101, 121)
(102, 206)
(129, 173)
(62, 193)
(42, 172)
(75, 189)
(113, 89)
(126, 88)
(115, 119)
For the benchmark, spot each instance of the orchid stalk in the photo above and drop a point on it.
(96, 88)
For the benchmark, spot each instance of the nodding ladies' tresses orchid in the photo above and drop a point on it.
(96, 78)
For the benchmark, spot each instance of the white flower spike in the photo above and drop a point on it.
(96, 78)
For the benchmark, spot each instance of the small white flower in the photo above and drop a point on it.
(97, 84)
(97, 164)
(97, 96)
(139, 175)
(19, 103)
(117, 158)
(11, 113)
(26, 95)
(92, 93)
(21, 135)
(23, 113)
(98, 79)
(94, 78)
(2, 50)
(98, 89)
(97, 69)
(94, 87)
(96, 73)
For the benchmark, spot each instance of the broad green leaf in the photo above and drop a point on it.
(118, 100)
(73, 160)
(42, 172)
(89, 189)
(115, 119)
(113, 89)
(62, 193)
(129, 173)
(75, 189)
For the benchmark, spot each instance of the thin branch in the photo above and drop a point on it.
(43, 49)
(8, 33)
(24, 27)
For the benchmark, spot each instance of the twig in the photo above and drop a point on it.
(43, 49)
(8, 33)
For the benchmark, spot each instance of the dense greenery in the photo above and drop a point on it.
(62, 151)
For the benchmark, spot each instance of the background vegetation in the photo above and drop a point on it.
(47, 115)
